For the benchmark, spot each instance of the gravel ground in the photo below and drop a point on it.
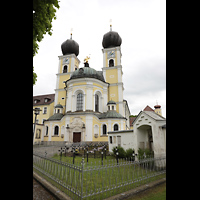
(40, 193)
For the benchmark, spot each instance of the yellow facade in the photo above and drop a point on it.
(47, 110)
(95, 119)
(43, 116)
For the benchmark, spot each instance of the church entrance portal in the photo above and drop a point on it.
(77, 137)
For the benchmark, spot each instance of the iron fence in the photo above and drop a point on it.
(96, 181)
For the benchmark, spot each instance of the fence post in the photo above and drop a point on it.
(82, 179)
(102, 157)
(87, 155)
(105, 151)
(117, 154)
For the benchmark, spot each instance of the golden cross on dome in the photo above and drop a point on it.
(86, 59)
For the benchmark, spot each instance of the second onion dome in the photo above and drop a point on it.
(111, 39)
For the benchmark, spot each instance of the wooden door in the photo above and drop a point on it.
(77, 137)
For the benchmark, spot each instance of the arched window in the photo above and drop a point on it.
(47, 130)
(104, 129)
(116, 127)
(56, 130)
(111, 63)
(79, 102)
(65, 69)
(96, 103)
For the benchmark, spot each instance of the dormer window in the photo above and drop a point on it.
(36, 100)
(46, 100)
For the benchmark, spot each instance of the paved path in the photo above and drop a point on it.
(39, 193)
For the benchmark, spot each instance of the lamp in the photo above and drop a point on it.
(36, 112)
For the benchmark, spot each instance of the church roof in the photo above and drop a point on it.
(111, 102)
(110, 114)
(43, 99)
(70, 47)
(148, 108)
(154, 115)
(87, 72)
(58, 106)
(56, 116)
(111, 39)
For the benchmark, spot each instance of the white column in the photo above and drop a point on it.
(104, 59)
(50, 131)
(105, 99)
(72, 64)
(68, 101)
(73, 103)
(109, 126)
(89, 98)
(89, 128)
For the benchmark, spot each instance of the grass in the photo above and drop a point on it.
(103, 181)
(155, 193)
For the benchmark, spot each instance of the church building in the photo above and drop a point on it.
(87, 103)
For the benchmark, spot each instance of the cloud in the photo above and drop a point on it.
(142, 27)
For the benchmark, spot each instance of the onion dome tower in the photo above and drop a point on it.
(112, 68)
(70, 47)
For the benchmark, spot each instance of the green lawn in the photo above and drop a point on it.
(103, 181)
(155, 193)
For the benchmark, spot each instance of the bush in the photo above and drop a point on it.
(122, 153)
(129, 152)
(142, 151)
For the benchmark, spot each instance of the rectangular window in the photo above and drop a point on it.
(45, 110)
(119, 141)
(114, 139)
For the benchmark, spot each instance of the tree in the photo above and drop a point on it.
(43, 14)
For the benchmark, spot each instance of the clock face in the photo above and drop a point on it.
(66, 60)
(111, 54)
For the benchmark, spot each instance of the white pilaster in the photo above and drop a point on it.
(50, 131)
(89, 128)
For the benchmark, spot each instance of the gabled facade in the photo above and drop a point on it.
(149, 132)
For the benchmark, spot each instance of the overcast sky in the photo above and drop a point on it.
(142, 27)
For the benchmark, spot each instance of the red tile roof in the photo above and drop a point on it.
(131, 119)
(41, 99)
(147, 108)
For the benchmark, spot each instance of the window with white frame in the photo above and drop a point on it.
(45, 110)
(96, 102)
(56, 130)
(116, 127)
(79, 102)
(104, 129)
